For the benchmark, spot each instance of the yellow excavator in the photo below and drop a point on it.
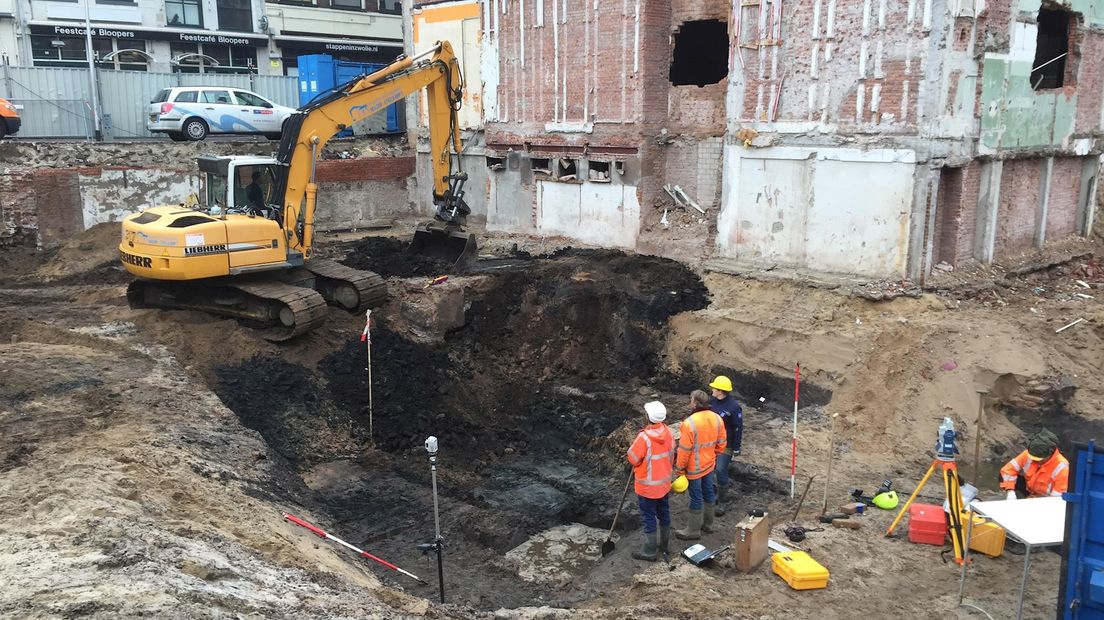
(247, 252)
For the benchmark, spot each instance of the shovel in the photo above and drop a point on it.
(609, 545)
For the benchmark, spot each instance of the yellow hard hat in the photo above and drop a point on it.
(722, 383)
(680, 484)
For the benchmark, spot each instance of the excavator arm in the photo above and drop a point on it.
(309, 129)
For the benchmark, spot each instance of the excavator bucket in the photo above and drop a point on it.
(446, 243)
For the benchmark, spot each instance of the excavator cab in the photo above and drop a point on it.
(444, 237)
(239, 184)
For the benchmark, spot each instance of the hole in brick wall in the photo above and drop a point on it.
(541, 165)
(701, 53)
(496, 163)
(598, 171)
(948, 217)
(568, 170)
(1051, 49)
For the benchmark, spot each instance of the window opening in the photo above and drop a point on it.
(496, 163)
(598, 171)
(700, 56)
(541, 165)
(1051, 49)
(568, 170)
(347, 4)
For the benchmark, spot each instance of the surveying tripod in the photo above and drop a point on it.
(945, 451)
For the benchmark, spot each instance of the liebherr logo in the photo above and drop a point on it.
(205, 249)
(137, 261)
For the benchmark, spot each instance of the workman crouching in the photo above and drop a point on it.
(1039, 471)
(701, 438)
(652, 456)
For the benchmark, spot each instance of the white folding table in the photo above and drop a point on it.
(1036, 522)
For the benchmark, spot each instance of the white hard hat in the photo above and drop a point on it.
(656, 411)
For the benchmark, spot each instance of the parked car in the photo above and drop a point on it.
(192, 112)
(9, 118)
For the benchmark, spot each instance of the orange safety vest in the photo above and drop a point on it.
(1047, 477)
(701, 438)
(651, 456)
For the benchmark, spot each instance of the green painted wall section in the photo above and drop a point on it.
(1015, 116)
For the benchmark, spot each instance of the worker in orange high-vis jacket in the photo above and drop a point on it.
(701, 438)
(1039, 471)
(652, 456)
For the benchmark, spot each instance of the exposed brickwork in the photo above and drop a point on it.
(1090, 82)
(956, 217)
(692, 109)
(18, 221)
(1018, 206)
(1065, 189)
(364, 169)
(58, 205)
(879, 66)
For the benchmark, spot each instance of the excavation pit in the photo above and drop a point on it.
(534, 395)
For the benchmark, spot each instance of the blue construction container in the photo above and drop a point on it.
(321, 73)
(1082, 585)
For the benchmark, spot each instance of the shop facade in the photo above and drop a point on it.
(187, 36)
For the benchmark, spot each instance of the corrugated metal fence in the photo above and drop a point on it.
(57, 103)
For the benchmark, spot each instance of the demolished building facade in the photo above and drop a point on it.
(869, 137)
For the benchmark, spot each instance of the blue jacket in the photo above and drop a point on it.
(733, 417)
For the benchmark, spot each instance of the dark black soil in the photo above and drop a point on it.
(391, 258)
(523, 399)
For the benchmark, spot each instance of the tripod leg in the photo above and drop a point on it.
(954, 500)
(923, 481)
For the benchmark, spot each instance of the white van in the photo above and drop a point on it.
(192, 112)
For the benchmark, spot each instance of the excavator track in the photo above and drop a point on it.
(283, 310)
(347, 288)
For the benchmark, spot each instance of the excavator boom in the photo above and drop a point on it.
(308, 130)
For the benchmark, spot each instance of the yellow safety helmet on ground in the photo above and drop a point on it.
(722, 383)
(680, 484)
(887, 500)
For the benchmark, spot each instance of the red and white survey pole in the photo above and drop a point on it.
(324, 534)
(366, 338)
(793, 443)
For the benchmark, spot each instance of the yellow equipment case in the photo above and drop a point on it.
(799, 570)
(986, 537)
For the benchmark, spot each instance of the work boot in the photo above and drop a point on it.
(665, 538)
(693, 528)
(707, 518)
(722, 495)
(648, 550)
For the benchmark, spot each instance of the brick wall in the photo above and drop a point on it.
(1090, 82)
(865, 72)
(1065, 189)
(956, 215)
(582, 67)
(1018, 206)
(694, 109)
(364, 169)
(18, 222)
(57, 205)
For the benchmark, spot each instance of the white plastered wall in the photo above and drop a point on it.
(830, 210)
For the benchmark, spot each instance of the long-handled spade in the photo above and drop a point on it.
(609, 545)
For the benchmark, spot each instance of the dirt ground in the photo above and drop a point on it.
(150, 454)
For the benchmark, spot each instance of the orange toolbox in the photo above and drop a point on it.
(799, 570)
(927, 524)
